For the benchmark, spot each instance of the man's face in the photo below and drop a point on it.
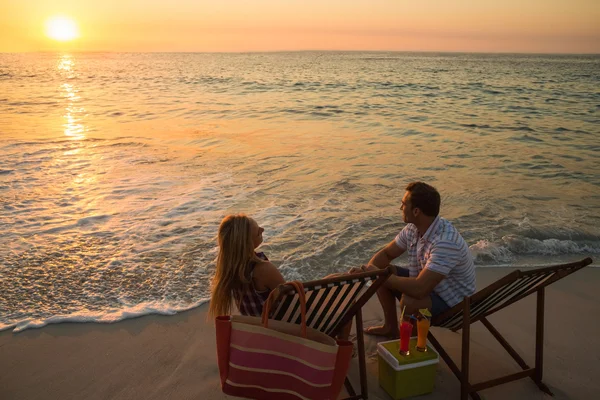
(406, 207)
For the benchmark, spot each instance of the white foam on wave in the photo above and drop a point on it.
(106, 317)
(510, 247)
(486, 250)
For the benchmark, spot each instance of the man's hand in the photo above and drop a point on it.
(362, 268)
(370, 267)
(355, 270)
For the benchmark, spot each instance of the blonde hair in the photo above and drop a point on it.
(236, 252)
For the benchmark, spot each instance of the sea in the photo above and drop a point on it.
(117, 168)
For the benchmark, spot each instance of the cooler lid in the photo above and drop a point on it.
(390, 351)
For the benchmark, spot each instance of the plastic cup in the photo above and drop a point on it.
(422, 330)
(405, 332)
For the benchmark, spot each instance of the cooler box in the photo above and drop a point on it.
(406, 376)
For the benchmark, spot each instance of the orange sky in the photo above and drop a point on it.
(540, 26)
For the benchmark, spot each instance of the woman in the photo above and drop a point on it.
(241, 274)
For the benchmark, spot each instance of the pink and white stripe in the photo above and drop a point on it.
(281, 365)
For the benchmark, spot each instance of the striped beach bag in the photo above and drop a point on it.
(260, 358)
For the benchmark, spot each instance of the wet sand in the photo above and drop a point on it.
(173, 357)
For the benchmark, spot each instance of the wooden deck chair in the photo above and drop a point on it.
(498, 295)
(330, 304)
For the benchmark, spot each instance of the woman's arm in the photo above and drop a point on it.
(267, 276)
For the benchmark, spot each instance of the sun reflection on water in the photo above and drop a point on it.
(74, 113)
(65, 63)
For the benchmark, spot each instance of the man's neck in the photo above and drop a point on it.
(424, 224)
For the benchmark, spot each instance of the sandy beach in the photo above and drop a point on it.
(173, 357)
(132, 133)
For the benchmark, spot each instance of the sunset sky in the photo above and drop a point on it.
(540, 26)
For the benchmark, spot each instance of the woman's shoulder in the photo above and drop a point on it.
(263, 266)
(266, 275)
(260, 264)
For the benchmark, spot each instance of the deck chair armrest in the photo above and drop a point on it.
(285, 288)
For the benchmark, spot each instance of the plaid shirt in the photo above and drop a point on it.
(441, 249)
(251, 301)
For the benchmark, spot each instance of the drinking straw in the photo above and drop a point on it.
(402, 315)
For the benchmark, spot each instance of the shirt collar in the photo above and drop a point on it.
(433, 228)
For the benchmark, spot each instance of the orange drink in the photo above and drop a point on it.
(422, 330)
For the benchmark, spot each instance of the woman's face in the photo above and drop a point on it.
(256, 233)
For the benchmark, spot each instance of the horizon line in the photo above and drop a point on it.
(306, 51)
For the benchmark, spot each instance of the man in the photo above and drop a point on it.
(440, 270)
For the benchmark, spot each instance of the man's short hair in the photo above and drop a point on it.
(424, 197)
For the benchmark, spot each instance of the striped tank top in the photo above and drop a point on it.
(249, 300)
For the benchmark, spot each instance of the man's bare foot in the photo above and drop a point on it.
(382, 331)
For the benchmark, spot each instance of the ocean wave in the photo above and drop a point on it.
(510, 247)
(105, 317)
(318, 154)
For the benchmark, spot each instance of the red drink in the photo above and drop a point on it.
(405, 332)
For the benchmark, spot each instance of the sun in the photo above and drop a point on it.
(62, 29)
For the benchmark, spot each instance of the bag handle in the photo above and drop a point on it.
(273, 297)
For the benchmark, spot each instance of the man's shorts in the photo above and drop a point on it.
(438, 305)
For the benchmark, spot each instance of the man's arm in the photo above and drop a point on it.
(419, 287)
(385, 256)
(442, 258)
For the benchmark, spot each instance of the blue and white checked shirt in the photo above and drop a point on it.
(442, 250)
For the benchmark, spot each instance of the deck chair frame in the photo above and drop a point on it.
(354, 311)
(498, 295)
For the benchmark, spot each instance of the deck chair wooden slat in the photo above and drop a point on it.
(520, 284)
(497, 300)
(532, 283)
(330, 304)
(489, 300)
(556, 272)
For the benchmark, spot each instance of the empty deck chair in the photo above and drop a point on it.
(330, 304)
(498, 295)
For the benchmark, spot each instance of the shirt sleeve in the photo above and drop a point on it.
(443, 257)
(403, 238)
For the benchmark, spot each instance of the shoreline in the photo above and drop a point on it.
(133, 312)
(158, 357)
(168, 309)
